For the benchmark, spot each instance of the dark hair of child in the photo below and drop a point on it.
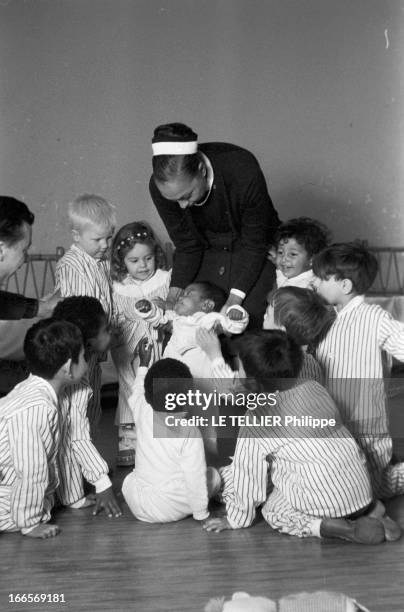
(125, 239)
(309, 233)
(84, 311)
(213, 292)
(49, 344)
(163, 377)
(271, 358)
(349, 260)
(166, 167)
(304, 313)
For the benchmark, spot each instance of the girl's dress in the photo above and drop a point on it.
(131, 329)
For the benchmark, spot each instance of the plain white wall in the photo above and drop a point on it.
(313, 87)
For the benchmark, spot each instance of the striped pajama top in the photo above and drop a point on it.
(75, 438)
(321, 475)
(77, 273)
(29, 438)
(351, 356)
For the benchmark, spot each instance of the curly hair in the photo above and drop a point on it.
(138, 232)
(311, 234)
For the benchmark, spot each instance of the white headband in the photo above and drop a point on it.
(175, 148)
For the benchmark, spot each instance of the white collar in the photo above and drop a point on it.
(209, 178)
(354, 303)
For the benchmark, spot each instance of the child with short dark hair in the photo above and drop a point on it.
(297, 241)
(309, 495)
(88, 314)
(29, 428)
(78, 457)
(170, 480)
(351, 356)
(306, 317)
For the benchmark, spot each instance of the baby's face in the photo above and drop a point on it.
(292, 258)
(94, 239)
(190, 301)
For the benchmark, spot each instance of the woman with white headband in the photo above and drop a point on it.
(214, 202)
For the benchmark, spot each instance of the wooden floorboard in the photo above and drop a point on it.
(122, 564)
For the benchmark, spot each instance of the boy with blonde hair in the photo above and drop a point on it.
(85, 269)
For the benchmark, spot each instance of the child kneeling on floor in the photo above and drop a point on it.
(170, 480)
(321, 486)
(29, 428)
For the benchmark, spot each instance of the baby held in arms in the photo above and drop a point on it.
(197, 307)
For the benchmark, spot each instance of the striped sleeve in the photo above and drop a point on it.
(391, 336)
(31, 436)
(250, 469)
(92, 464)
(70, 282)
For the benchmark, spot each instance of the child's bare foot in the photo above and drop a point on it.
(364, 530)
(44, 530)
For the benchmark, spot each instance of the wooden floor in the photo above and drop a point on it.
(122, 564)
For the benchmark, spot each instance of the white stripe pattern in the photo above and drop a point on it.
(77, 456)
(323, 475)
(29, 438)
(77, 273)
(352, 358)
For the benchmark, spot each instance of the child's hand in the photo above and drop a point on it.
(235, 314)
(143, 305)
(217, 524)
(145, 349)
(44, 530)
(160, 303)
(209, 342)
(106, 501)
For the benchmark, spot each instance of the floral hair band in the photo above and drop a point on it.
(131, 239)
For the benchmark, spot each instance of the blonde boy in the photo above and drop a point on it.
(84, 269)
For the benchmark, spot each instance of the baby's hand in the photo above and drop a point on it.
(106, 501)
(234, 314)
(145, 349)
(216, 524)
(44, 530)
(143, 305)
(209, 342)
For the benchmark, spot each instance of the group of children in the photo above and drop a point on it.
(320, 353)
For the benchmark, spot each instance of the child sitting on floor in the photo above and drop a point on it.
(321, 486)
(351, 355)
(137, 272)
(85, 270)
(170, 480)
(29, 428)
(77, 456)
(297, 241)
(198, 306)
